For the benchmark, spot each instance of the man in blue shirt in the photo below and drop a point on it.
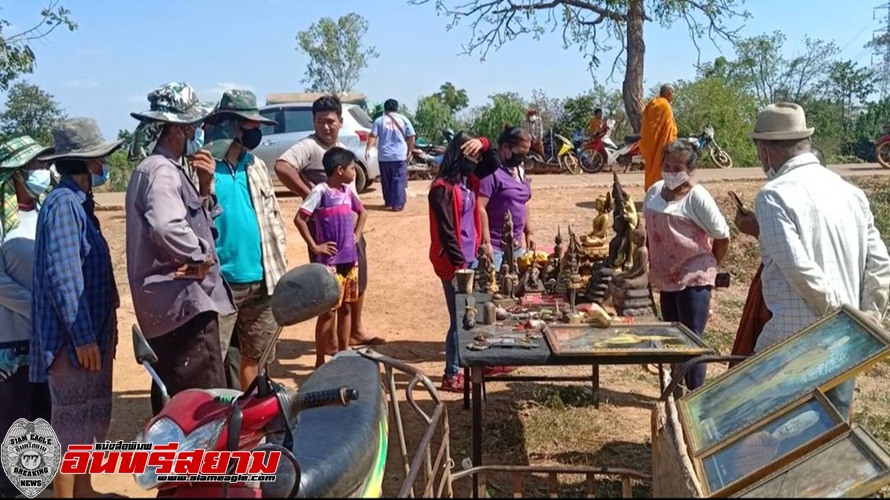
(395, 136)
(251, 235)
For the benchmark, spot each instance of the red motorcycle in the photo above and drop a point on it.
(229, 420)
(882, 148)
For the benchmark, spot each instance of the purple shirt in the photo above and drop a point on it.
(334, 221)
(467, 222)
(505, 192)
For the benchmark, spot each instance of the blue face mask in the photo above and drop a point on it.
(99, 179)
(195, 145)
(37, 183)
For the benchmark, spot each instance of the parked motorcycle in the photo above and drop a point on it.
(425, 159)
(560, 152)
(599, 153)
(882, 148)
(706, 140)
(338, 451)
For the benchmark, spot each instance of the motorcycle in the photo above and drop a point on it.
(425, 158)
(882, 148)
(599, 153)
(718, 155)
(560, 152)
(339, 449)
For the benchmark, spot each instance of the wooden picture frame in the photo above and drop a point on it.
(755, 452)
(853, 465)
(564, 340)
(822, 355)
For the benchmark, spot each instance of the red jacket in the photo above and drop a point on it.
(445, 236)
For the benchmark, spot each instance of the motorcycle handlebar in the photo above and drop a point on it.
(319, 399)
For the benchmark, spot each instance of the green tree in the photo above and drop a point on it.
(578, 110)
(16, 56)
(592, 25)
(454, 98)
(550, 109)
(432, 117)
(125, 135)
(848, 86)
(336, 54)
(30, 111)
(505, 109)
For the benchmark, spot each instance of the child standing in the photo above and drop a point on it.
(333, 203)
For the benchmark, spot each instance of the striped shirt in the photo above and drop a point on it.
(75, 298)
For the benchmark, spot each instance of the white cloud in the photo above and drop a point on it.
(214, 93)
(88, 83)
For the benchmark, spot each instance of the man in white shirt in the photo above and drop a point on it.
(394, 135)
(818, 241)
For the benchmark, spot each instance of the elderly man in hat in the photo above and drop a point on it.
(251, 236)
(172, 264)
(23, 181)
(818, 241)
(75, 299)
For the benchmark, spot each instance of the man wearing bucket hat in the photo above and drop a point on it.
(23, 180)
(172, 265)
(75, 299)
(818, 241)
(251, 237)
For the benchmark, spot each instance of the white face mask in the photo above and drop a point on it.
(673, 180)
(770, 173)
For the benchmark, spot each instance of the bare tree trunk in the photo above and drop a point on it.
(633, 75)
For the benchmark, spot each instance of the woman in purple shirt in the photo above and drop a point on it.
(504, 188)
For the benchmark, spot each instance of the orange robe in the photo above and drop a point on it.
(657, 129)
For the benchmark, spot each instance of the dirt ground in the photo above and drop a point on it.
(525, 423)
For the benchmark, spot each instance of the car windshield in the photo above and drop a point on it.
(361, 117)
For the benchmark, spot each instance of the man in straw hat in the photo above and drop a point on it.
(23, 181)
(818, 241)
(75, 299)
(251, 236)
(178, 291)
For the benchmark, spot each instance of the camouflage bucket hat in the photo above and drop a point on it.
(18, 152)
(175, 102)
(240, 103)
(80, 138)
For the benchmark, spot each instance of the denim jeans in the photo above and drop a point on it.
(497, 257)
(452, 345)
(691, 308)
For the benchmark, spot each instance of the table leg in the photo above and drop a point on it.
(595, 379)
(661, 386)
(476, 373)
(466, 389)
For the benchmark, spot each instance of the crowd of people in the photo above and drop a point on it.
(206, 245)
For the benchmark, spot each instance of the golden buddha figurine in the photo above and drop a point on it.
(601, 224)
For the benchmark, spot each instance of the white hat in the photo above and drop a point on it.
(784, 121)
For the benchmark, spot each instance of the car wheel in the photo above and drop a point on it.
(361, 179)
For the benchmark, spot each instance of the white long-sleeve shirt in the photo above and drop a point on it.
(820, 249)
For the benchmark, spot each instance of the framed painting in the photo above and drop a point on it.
(624, 340)
(823, 355)
(763, 448)
(853, 465)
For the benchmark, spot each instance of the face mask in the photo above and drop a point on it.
(467, 167)
(192, 146)
(515, 159)
(675, 179)
(99, 179)
(38, 182)
(251, 137)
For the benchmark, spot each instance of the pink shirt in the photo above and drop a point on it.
(680, 236)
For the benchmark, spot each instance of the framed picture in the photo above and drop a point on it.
(763, 448)
(823, 355)
(624, 340)
(853, 465)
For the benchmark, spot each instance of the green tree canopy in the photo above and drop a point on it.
(30, 111)
(336, 53)
(505, 109)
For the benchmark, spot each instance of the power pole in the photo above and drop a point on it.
(881, 48)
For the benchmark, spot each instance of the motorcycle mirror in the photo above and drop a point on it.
(141, 350)
(287, 476)
(303, 293)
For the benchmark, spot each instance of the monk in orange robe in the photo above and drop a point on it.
(657, 129)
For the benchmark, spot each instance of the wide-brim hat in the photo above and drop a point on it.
(783, 121)
(80, 139)
(175, 102)
(239, 103)
(18, 152)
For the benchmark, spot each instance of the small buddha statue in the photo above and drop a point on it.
(630, 290)
(531, 281)
(599, 237)
(492, 287)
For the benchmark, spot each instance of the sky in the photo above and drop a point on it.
(123, 49)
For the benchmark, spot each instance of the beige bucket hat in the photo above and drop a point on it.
(783, 121)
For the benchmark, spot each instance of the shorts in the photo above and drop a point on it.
(253, 324)
(347, 277)
(361, 249)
